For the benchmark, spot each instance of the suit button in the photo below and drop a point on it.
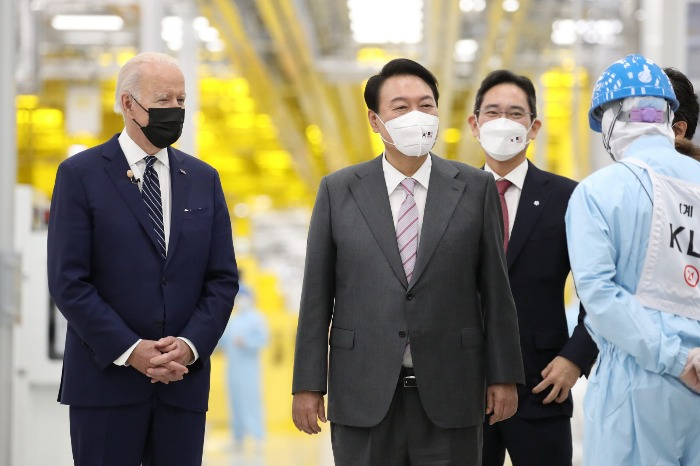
(409, 296)
(163, 281)
(402, 334)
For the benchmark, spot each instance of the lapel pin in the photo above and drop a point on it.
(183, 171)
(537, 202)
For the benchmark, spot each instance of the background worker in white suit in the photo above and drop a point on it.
(245, 336)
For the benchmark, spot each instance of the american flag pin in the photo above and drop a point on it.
(183, 171)
(537, 202)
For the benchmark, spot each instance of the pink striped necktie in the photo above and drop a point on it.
(407, 228)
(503, 186)
(407, 239)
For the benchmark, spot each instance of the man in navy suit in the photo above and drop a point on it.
(141, 264)
(534, 203)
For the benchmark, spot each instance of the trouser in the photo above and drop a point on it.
(149, 434)
(406, 436)
(530, 442)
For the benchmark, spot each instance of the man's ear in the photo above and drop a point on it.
(373, 120)
(127, 103)
(473, 124)
(679, 128)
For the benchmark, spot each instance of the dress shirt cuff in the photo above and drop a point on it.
(121, 360)
(194, 350)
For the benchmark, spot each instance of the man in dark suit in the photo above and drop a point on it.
(534, 203)
(141, 264)
(405, 268)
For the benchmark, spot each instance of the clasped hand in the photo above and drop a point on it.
(163, 361)
(691, 373)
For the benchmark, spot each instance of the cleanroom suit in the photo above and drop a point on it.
(637, 411)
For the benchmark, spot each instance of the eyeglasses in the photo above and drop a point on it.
(511, 115)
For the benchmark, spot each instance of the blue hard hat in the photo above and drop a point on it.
(633, 76)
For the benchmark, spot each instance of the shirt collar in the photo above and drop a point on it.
(135, 154)
(516, 175)
(393, 177)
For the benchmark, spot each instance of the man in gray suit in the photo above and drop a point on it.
(405, 268)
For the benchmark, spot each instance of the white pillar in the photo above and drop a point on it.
(663, 32)
(187, 58)
(8, 259)
(150, 27)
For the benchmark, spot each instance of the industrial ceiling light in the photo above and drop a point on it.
(465, 50)
(368, 21)
(468, 6)
(510, 6)
(87, 22)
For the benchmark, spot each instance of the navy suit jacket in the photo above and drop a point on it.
(538, 265)
(108, 280)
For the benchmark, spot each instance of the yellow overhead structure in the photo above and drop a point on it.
(443, 21)
(226, 17)
(287, 85)
(564, 114)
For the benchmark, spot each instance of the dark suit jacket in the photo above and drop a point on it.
(538, 264)
(107, 278)
(457, 309)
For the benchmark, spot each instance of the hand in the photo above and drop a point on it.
(140, 358)
(502, 401)
(691, 372)
(561, 374)
(307, 406)
(171, 364)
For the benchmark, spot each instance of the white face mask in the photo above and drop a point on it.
(414, 133)
(503, 138)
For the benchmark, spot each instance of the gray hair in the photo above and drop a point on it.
(130, 75)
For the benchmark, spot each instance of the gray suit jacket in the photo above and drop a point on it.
(458, 308)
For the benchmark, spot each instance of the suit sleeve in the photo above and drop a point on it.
(69, 253)
(317, 297)
(581, 349)
(220, 286)
(503, 356)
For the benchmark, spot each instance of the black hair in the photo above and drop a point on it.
(497, 77)
(689, 107)
(397, 67)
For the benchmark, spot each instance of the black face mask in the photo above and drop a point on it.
(164, 125)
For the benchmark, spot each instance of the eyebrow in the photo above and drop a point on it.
(166, 95)
(399, 98)
(512, 107)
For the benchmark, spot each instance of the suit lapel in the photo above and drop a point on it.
(444, 192)
(533, 201)
(369, 191)
(116, 168)
(179, 187)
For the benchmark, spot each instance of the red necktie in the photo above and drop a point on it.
(503, 186)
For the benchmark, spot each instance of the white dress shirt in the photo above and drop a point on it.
(135, 157)
(512, 195)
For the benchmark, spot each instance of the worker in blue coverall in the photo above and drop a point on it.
(635, 260)
(246, 334)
